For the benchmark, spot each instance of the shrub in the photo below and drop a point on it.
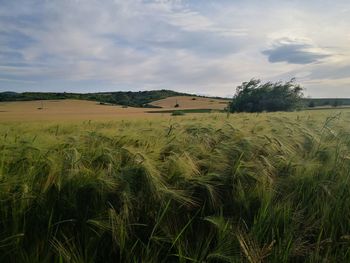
(336, 103)
(253, 96)
(311, 104)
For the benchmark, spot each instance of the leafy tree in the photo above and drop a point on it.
(254, 96)
(311, 104)
(336, 103)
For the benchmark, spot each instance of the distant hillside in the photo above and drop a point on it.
(143, 99)
(128, 98)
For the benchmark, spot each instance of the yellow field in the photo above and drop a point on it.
(189, 102)
(64, 110)
(91, 110)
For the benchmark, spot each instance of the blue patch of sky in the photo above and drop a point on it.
(15, 39)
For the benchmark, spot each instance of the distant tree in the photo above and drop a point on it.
(311, 104)
(336, 103)
(254, 96)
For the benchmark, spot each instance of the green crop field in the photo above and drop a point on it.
(269, 187)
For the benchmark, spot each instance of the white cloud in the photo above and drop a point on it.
(204, 47)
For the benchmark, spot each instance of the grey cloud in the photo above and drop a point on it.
(205, 46)
(293, 53)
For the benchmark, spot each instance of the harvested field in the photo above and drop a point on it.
(189, 102)
(91, 110)
(64, 110)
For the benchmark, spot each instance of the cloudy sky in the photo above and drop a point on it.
(197, 46)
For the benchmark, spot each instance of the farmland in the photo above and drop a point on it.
(64, 110)
(188, 102)
(90, 110)
(268, 187)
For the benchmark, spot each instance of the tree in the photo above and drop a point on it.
(253, 96)
(311, 104)
(336, 103)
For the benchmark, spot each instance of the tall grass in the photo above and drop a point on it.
(248, 188)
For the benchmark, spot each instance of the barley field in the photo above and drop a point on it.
(269, 187)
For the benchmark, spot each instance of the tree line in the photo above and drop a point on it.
(126, 98)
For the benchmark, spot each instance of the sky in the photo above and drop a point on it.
(206, 47)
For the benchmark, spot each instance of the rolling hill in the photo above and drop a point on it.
(127, 98)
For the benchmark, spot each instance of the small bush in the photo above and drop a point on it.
(311, 104)
(336, 103)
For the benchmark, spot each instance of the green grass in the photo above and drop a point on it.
(203, 188)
